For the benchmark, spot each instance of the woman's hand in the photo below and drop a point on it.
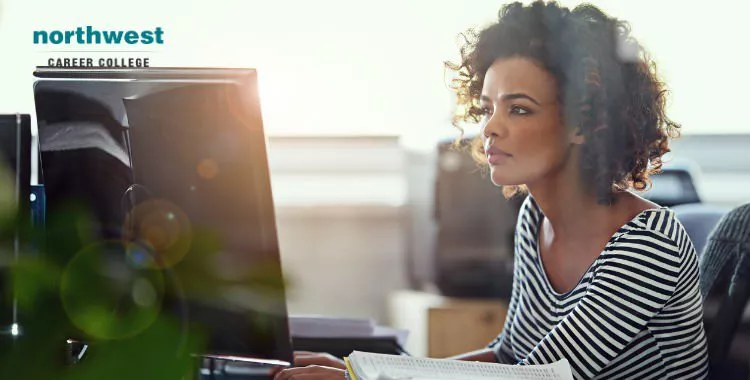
(313, 372)
(307, 358)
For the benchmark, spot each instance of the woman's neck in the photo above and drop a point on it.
(571, 208)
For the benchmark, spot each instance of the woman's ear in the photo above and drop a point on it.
(576, 137)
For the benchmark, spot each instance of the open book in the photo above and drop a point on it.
(369, 366)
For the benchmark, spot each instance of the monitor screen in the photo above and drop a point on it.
(168, 169)
(15, 181)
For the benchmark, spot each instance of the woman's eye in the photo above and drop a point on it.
(486, 111)
(517, 110)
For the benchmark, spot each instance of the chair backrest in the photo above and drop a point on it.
(725, 277)
(675, 184)
(699, 219)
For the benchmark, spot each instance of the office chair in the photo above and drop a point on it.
(675, 187)
(675, 184)
(699, 219)
(725, 279)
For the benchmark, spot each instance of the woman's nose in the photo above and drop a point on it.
(494, 128)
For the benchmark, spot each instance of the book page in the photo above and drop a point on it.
(369, 366)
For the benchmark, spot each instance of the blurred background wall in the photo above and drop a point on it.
(355, 103)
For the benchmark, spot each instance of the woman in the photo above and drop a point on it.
(573, 113)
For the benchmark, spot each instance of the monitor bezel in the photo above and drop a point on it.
(49, 72)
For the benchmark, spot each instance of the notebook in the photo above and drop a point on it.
(370, 366)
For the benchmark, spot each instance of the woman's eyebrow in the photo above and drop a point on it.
(505, 97)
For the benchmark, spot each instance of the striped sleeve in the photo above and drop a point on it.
(501, 344)
(633, 283)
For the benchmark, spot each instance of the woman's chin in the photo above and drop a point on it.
(502, 179)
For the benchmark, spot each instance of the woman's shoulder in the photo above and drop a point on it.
(529, 208)
(655, 231)
(528, 215)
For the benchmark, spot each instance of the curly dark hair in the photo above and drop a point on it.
(607, 86)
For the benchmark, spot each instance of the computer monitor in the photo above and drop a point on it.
(171, 165)
(15, 174)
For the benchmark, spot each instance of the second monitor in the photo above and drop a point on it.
(170, 168)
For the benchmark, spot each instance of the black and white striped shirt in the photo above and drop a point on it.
(635, 314)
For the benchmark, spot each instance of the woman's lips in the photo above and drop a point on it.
(496, 156)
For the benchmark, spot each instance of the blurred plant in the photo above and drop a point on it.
(68, 284)
(86, 298)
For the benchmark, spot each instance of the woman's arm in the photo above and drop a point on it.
(500, 347)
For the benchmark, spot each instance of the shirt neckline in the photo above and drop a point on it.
(535, 227)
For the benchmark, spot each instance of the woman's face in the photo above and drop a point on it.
(524, 136)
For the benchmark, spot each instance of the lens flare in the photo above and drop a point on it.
(158, 234)
(208, 168)
(239, 103)
(108, 298)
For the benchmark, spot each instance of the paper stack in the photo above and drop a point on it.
(320, 326)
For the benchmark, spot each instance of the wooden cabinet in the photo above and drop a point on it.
(460, 326)
(440, 326)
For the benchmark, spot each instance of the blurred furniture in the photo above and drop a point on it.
(699, 219)
(444, 326)
(675, 184)
(475, 227)
(725, 286)
(675, 187)
(462, 325)
(341, 347)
